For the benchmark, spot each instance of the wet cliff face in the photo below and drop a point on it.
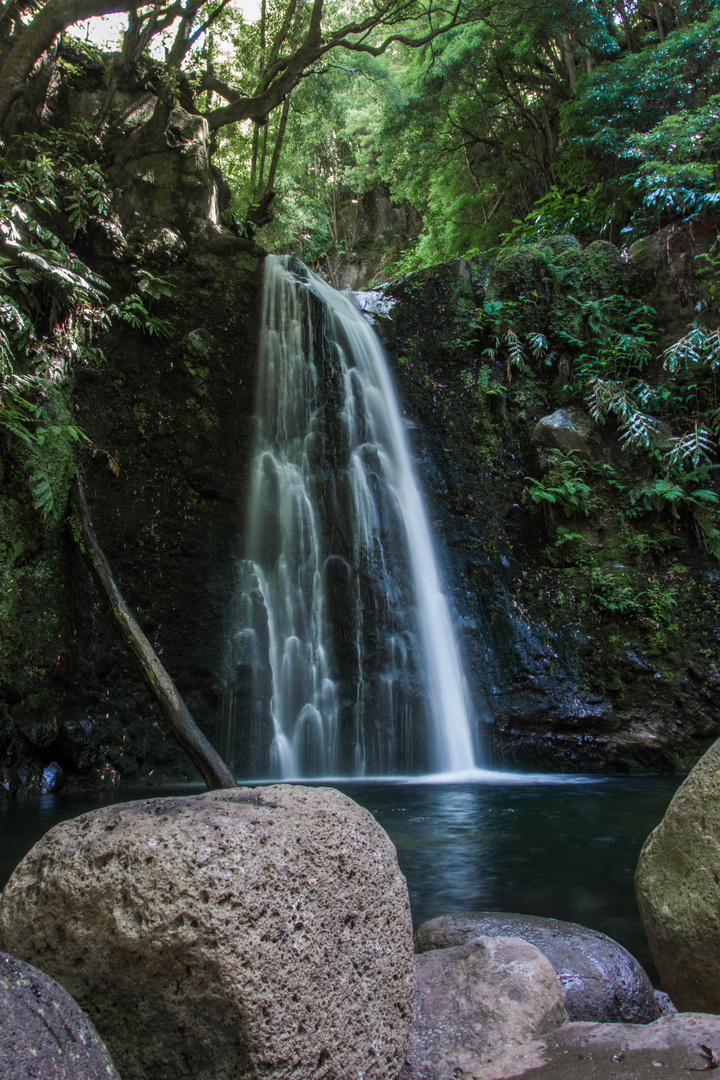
(169, 416)
(590, 635)
(175, 414)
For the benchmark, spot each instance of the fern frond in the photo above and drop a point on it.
(538, 344)
(697, 446)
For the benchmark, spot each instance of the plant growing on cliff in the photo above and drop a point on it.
(565, 485)
(52, 305)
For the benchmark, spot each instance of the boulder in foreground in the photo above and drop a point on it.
(669, 1047)
(234, 934)
(677, 884)
(601, 981)
(474, 1000)
(44, 1035)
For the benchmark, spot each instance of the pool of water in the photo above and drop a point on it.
(562, 847)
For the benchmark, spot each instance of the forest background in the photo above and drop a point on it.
(494, 123)
(498, 129)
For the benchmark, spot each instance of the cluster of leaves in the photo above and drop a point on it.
(578, 487)
(52, 305)
(495, 325)
(674, 418)
(564, 485)
(648, 124)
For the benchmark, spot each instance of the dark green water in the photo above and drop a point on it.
(565, 849)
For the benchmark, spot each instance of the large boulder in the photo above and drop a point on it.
(44, 1035)
(475, 1000)
(670, 1047)
(244, 933)
(601, 981)
(665, 269)
(565, 430)
(677, 884)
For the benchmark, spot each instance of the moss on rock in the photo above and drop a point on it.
(578, 606)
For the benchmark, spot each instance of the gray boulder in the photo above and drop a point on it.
(665, 269)
(566, 430)
(475, 1000)
(44, 1035)
(601, 981)
(670, 1047)
(677, 884)
(234, 934)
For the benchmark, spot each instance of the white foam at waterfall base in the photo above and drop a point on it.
(366, 525)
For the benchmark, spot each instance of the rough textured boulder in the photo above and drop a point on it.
(245, 933)
(677, 884)
(665, 267)
(565, 429)
(474, 1000)
(601, 981)
(44, 1035)
(670, 1047)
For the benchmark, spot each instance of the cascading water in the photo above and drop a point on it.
(344, 658)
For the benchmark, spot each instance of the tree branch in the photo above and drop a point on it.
(39, 35)
(212, 768)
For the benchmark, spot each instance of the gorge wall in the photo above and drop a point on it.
(591, 636)
(589, 630)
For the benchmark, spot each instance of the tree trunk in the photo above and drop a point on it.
(212, 768)
(569, 59)
(38, 36)
(278, 144)
(658, 20)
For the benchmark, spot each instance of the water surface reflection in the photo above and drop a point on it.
(558, 847)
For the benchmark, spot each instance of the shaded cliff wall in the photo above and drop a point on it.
(172, 416)
(592, 639)
(373, 233)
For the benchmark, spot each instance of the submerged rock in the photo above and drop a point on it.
(474, 1000)
(229, 935)
(600, 979)
(44, 1035)
(678, 890)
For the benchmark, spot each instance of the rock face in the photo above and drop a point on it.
(241, 933)
(374, 231)
(474, 1000)
(678, 890)
(44, 1035)
(566, 430)
(665, 269)
(545, 662)
(669, 1047)
(600, 979)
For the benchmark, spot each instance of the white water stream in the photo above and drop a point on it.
(366, 672)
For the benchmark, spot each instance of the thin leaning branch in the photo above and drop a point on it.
(212, 768)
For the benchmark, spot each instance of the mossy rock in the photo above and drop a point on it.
(517, 272)
(604, 269)
(546, 274)
(678, 892)
(561, 244)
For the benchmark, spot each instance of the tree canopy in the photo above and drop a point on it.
(600, 118)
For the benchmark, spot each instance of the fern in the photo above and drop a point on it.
(40, 486)
(699, 347)
(695, 446)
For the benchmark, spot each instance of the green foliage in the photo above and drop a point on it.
(52, 305)
(132, 310)
(564, 485)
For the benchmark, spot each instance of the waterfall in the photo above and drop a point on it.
(344, 659)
